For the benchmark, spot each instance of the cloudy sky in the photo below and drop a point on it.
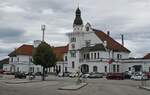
(20, 21)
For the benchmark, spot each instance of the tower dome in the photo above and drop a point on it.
(78, 19)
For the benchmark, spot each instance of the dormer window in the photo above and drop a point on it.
(87, 28)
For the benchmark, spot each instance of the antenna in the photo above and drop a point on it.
(78, 3)
(122, 38)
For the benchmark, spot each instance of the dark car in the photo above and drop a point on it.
(115, 76)
(20, 75)
(95, 75)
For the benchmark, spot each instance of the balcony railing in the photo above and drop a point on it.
(94, 60)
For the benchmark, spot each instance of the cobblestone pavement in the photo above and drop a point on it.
(94, 87)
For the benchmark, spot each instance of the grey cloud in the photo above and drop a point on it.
(12, 35)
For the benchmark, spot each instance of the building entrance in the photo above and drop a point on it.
(84, 68)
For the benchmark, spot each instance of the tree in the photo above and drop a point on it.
(43, 55)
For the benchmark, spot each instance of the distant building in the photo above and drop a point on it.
(3, 62)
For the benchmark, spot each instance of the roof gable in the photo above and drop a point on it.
(111, 43)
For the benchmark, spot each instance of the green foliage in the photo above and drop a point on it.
(43, 55)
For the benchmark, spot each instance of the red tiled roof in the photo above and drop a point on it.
(27, 50)
(22, 50)
(60, 51)
(147, 56)
(111, 43)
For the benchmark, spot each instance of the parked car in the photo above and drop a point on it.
(73, 75)
(85, 75)
(38, 73)
(115, 76)
(65, 74)
(7, 73)
(139, 77)
(20, 75)
(95, 75)
(2, 71)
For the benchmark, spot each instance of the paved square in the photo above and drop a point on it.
(94, 87)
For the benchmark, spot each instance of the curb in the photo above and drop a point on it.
(145, 88)
(21, 82)
(73, 87)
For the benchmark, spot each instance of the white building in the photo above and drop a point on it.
(88, 50)
(20, 60)
(91, 49)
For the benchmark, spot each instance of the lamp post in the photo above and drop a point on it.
(43, 27)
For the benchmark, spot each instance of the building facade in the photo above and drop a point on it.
(88, 50)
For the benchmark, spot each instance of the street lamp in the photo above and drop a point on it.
(43, 27)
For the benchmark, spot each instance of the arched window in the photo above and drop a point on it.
(94, 68)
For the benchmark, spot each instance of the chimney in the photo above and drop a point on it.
(105, 43)
(108, 33)
(122, 38)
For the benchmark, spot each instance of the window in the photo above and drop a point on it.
(84, 56)
(11, 59)
(114, 68)
(66, 69)
(18, 59)
(98, 55)
(38, 70)
(94, 68)
(72, 46)
(94, 55)
(87, 43)
(66, 58)
(73, 39)
(129, 68)
(59, 67)
(73, 65)
(30, 59)
(119, 56)
(73, 55)
(17, 69)
(31, 69)
(105, 68)
(117, 68)
(88, 56)
(91, 55)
